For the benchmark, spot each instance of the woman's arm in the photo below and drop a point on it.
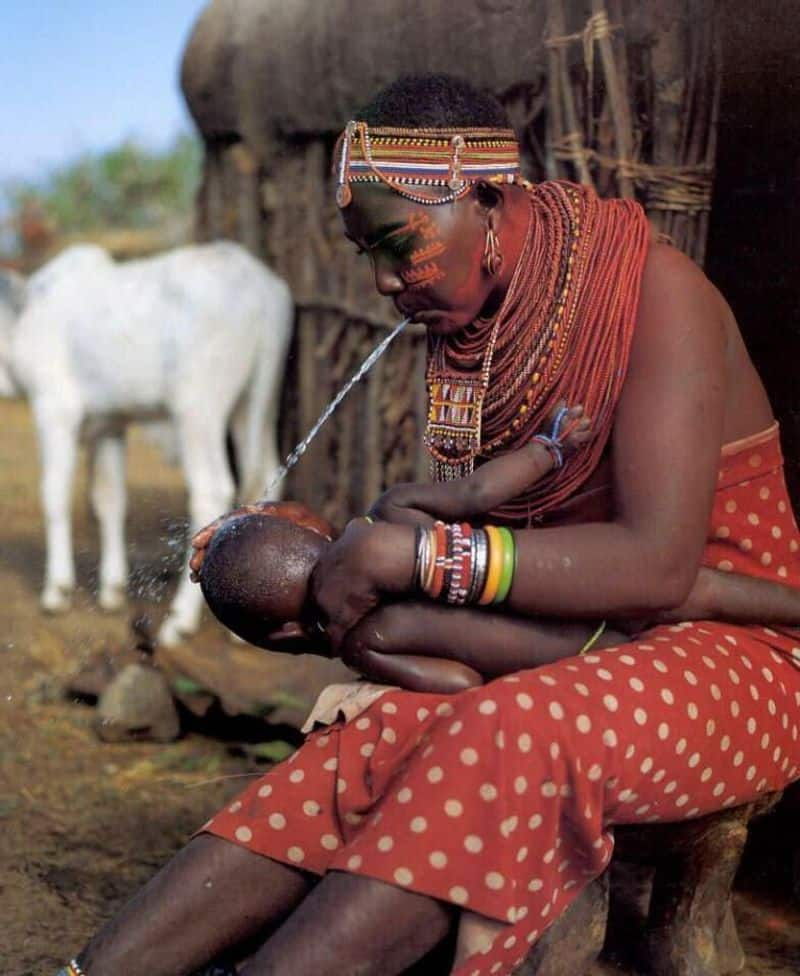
(666, 448)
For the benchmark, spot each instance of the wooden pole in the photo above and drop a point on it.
(618, 103)
(561, 77)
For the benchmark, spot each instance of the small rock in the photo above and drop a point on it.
(137, 704)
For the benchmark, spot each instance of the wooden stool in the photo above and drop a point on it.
(670, 889)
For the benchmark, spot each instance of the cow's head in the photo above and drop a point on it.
(12, 300)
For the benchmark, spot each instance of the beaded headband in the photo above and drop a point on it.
(403, 158)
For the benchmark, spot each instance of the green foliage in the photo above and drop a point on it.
(187, 686)
(275, 751)
(126, 187)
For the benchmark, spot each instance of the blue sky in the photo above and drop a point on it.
(84, 74)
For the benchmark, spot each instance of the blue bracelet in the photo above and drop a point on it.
(555, 430)
(553, 447)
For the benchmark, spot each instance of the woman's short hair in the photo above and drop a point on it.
(435, 101)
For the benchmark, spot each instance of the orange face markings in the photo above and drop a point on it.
(427, 253)
(422, 276)
(421, 223)
(424, 270)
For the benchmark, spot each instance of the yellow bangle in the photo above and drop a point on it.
(495, 570)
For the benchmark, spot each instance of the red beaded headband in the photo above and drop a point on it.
(402, 158)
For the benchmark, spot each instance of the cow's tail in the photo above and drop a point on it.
(258, 458)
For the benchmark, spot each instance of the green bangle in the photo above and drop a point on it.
(509, 564)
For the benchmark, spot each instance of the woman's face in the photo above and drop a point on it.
(427, 258)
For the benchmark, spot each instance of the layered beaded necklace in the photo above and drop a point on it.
(563, 332)
(564, 329)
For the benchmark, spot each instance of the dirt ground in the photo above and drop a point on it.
(83, 824)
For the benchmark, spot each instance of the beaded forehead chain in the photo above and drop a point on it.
(407, 160)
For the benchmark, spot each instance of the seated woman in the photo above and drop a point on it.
(363, 850)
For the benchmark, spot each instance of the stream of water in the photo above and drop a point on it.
(294, 456)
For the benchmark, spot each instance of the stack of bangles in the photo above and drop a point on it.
(462, 564)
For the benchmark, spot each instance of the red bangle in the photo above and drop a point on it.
(441, 560)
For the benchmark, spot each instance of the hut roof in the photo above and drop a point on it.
(264, 68)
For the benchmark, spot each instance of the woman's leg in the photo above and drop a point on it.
(351, 924)
(208, 898)
(501, 800)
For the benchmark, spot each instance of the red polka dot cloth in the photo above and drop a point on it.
(503, 798)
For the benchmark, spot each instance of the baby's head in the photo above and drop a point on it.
(256, 571)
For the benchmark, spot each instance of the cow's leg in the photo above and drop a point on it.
(253, 429)
(211, 492)
(57, 426)
(108, 503)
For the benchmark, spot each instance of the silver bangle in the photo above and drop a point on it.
(481, 565)
(423, 556)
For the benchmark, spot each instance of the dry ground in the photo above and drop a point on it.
(83, 824)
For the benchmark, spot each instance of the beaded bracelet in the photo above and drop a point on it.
(553, 448)
(463, 564)
(553, 440)
(457, 589)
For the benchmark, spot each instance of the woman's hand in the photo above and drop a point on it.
(400, 505)
(295, 512)
(367, 561)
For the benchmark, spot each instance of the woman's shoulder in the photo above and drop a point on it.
(667, 268)
(675, 298)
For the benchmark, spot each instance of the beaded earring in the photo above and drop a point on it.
(492, 256)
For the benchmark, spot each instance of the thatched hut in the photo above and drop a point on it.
(620, 94)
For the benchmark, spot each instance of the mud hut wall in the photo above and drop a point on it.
(595, 80)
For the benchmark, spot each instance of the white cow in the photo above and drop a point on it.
(198, 336)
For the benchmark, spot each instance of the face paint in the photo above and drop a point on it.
(427, 253)
(424, 270)
(421, 223)
(423, 276)
(428, 259)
